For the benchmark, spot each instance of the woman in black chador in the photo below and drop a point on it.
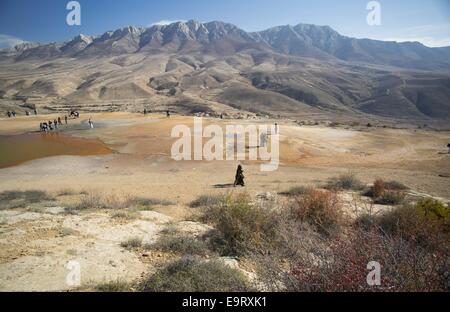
(239, 177)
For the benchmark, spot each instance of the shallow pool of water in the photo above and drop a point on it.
(16, 149)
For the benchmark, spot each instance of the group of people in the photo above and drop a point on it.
(74, 114)
(13, 113)
(52, 125)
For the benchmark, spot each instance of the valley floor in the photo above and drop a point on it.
(36, 241)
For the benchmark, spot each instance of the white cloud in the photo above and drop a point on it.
(165, 22)
(427, 41)
(7, 41)
(431, 35)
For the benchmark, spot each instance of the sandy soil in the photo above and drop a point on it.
(33, 252)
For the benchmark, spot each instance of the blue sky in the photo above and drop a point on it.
(427, 21)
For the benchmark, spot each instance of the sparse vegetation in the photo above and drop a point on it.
(66, 192)
(206, 200)
(344, 182)
(124, 215)
(132, 243)
(295, 191)
(387, 193)
(184, 245)
(114, 286)
(97, 200)
(191, 274)
(21, 199)
(390, 198)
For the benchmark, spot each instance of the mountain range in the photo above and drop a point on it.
(214, 66)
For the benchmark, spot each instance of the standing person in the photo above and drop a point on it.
(145, 111)
(168, 114)
(262, 139)
(9, 114)
(91, 124)
(239, 180)
(55, 122)
(13, 113)
(35, 111)
(65, 119)
(59, 121)
(50, 125)
(276, 128)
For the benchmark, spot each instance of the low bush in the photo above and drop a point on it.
(433, 210)
(124, 215)
(387, 193)
(132, 243)
(344, 182)
(191, 274)
(426, 223)
(113, 286)
(319, 208)
(184, 245)
(395, 186)
(241, 225)
(206, 200)
(404, 266)
(295, 191)
(390, 198)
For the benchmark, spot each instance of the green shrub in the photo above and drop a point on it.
(191, 274)
(422, 223)
(434, 210)
(344, 182)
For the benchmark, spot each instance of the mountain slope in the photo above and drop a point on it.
(288, 70)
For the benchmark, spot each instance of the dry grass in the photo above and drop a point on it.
(206, 200)
(344, 182)
(191, 274)
(240, 225)
(387, 193)
(98, 200)
(181, 244)
(132, 243)
(114, 286)
(21, 199)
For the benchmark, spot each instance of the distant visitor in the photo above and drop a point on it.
(239, 180)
